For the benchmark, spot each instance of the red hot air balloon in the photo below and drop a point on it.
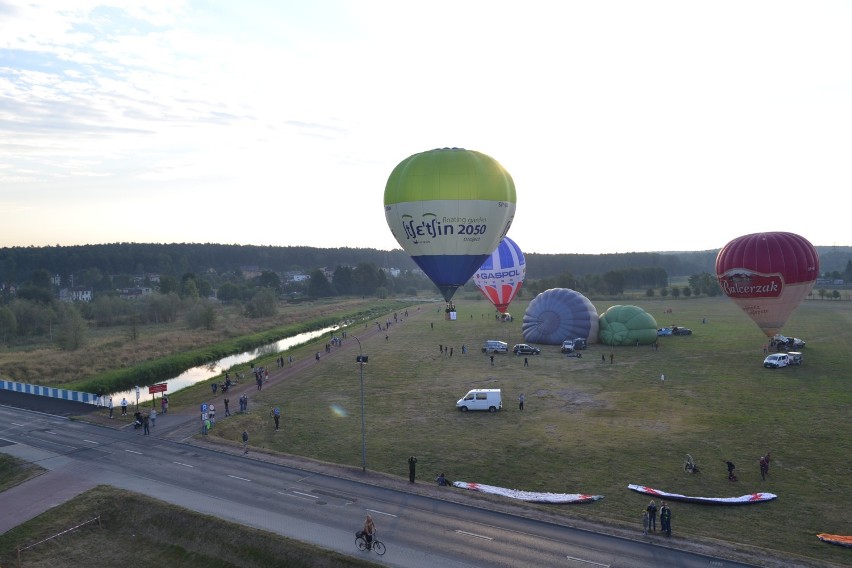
(768, 275)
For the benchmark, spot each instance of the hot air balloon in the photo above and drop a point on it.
(501, 275)
(448, 208)
(625, 325)
(559, 314)
(768, 275)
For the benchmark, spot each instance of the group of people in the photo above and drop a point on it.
(649, 518)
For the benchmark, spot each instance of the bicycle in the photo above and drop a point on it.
(377, 545)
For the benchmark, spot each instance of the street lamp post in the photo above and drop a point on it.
(362, 360)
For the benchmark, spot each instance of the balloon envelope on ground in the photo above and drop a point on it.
(625, 325)
(768, 275)
(559, 314)
(501, 275)
(448, 208)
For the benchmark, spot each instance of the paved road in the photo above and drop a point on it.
(313, 507)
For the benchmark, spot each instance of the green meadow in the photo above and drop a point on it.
(591, 425)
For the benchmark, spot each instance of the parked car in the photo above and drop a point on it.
(494, 346)
(783, 342)
(571, 345)
(681, 331)
(664, 331)
(524, 349)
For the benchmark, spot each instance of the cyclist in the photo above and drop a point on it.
(369, 531)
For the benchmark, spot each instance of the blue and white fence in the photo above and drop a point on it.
(52, 392)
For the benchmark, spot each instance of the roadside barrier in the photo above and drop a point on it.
(52, 392)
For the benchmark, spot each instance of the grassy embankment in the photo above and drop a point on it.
(111, 361)
(135, 528)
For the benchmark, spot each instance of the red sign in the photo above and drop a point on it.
(162, 387)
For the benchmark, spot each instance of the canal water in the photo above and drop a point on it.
(210, 370)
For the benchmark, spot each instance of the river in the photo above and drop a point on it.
(215, 368)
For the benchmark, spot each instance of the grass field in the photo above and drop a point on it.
(595, 427)
(136, 529)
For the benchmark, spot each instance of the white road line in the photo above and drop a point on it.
(90, 441)
(50, 432)
(296, 495)
(305, 494)
(133, 452)
(240, 478)
(587, 561)
(184, 464)
(382, 513)
(483, 537)
(15, 424)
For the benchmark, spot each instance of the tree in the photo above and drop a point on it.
(649, 293)
(169, 284)
(365, 279)
(201, 314)
(268, 279)
(675, 292)
(71, 331)
(319, 286)
(41, 279)
(687, 292)
(8, 324)
(228, 292)
(343, 280)
(664, 292)
(262, 304)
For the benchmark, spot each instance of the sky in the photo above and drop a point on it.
(627, 126)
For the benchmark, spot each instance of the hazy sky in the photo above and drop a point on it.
(627, 126)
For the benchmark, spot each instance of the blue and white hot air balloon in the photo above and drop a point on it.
(501, 275)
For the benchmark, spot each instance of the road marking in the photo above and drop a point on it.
(300, 493)
(483, 537)
(184, 464)
(15, 424)
(90, 441)
(587, 561)
(133, 452)
(50, 432)
(241, 478)
(382, 513)
(297, 495)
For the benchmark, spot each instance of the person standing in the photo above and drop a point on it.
(276, 416)
(153, 417)
(145, 425)
(764, 466)
(492, 360)
(211, 411)
(245, 441)
(652, 515)
(110, 407)
(526, 362)
(521, 402)
(164, 404)
(666, 519)
(412, 465)
(124, 407)
(227, 410)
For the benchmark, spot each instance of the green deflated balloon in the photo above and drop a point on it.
(625, 325)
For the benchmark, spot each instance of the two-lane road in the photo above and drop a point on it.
(324, 510)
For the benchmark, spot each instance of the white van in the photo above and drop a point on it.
(481, 399)
(776, 360)
(494, 346)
